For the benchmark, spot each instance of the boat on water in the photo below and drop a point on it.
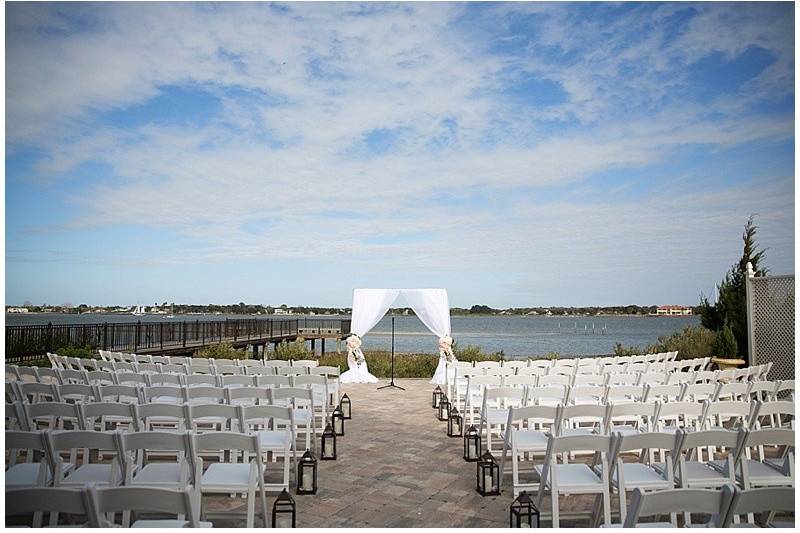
(139, 311)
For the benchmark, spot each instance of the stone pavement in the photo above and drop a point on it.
(396, 467)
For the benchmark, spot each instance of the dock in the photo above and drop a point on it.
(175, 337)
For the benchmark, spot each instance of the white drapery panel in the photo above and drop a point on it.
(369, 306)
(431, 307)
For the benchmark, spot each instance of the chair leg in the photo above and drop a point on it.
(554, 506)
(251, 507)
(606, 507)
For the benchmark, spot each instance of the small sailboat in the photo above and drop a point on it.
(139, 311)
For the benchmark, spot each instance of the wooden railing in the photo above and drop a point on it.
(34, 341)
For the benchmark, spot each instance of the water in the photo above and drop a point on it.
(515, 335)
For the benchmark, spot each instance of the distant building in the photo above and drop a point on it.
(280, 311)
(673, 310)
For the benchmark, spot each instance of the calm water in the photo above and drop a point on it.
(516, 335)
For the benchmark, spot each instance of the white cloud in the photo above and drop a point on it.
(323, 76)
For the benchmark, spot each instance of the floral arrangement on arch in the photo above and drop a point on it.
(354, 349)
(446, 348)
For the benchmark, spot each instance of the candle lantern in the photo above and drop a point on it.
(347, 407)
(338, 422)
(444, 409)
(523, 513)
(328, 444)
(307, 474)
(437, 397)
(472, 445)
(454, 423)
(283, 511)
(488, 482)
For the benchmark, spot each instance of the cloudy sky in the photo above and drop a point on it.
(515, 154)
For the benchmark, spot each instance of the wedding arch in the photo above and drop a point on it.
(430, 305)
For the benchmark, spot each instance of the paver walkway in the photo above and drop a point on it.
(396, 467)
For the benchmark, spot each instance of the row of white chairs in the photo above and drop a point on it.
(122, 357)
(632, 417)
(98, 506)
(70, 459)
(722, 506)
(545, 391)
(174, 368)
(708, 459)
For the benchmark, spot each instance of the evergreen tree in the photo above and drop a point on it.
(730, 308)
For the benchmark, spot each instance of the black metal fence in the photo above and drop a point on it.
(34, 341)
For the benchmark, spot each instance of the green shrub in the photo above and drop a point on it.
(224, 350)
(82, 352)
(725, 343)
(292, 350)
(690, 342)
(472, 353)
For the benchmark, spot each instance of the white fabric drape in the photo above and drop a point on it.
(369, 305)
(433, 309)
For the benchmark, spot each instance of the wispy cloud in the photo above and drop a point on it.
(323, 131)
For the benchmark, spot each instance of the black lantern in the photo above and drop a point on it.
(347, 407)
(472, 445)
(488, 482)
(338, 422)
(328, 444)
(437, 397)
(283, 512)
(307, 474)
(444, 409)
(523, 513)
(455, 424)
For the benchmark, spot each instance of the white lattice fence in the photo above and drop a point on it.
(771, 318)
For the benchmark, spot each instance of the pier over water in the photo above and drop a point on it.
(173, 337)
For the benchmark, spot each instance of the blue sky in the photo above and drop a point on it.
(516, 154)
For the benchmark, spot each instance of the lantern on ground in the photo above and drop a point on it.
(338, 422)
(328, 444)
(307, 474)
(347, 407)
(444, 408)
(488, 482)
(437, 397)
(283, 511)
(455, 424)
(523, 513)
(472, 445)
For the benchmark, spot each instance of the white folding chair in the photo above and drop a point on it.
(474, 396)
(597, 380)
(697, 501)
(758, 470)
(630, 418)
(260, 371)
(552, 395)
(53, 415)
(203, 395)
(106, 502)
(234, 477)
(77, 393)
(627, 476)
(38, 500)
(136, 448)
(662, 393)
(98, 377)
(161, 417)
(624, 394)
(765, 502)
(36, 392)
(622, 379)
(270, 382)
(156, 380)
(100, 415)
(301, 401)
(119, 393)
(237, 381)
(494, 411)
(319, 387)
(228, 370)
(27, 472)
(200, 380)
(586, 395)
(247, 396)
(575, 478)
(265, 420)
(332, 374)
(308, 363)
(163, 394)
(529, 429)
